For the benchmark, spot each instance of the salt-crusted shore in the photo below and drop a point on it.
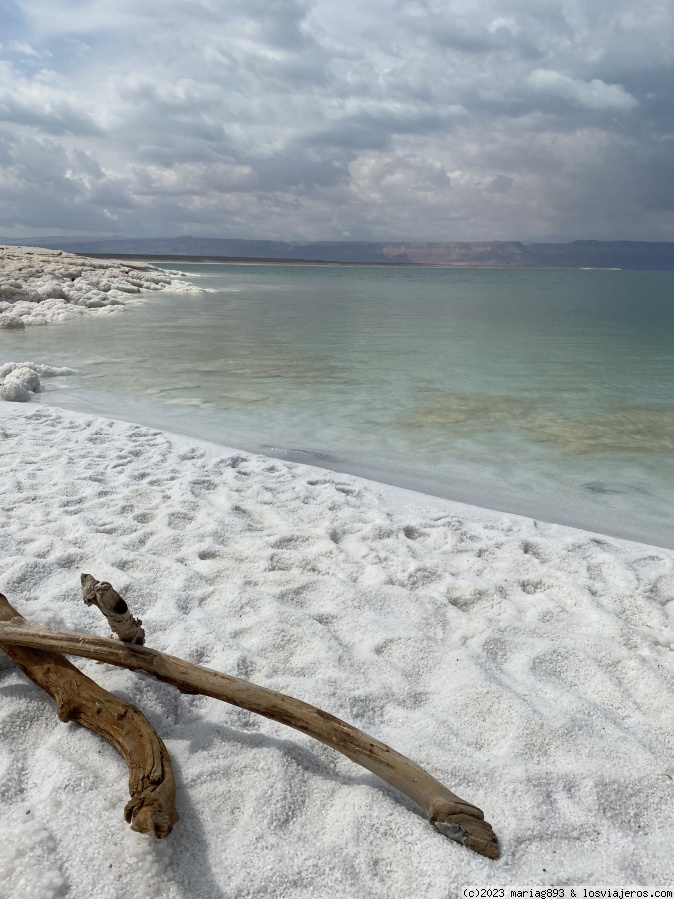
(529, 666)
(39, 286)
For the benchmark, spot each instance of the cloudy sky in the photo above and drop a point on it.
(338, 119)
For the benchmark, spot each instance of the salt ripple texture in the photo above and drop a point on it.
(528, 666)
(40, 286)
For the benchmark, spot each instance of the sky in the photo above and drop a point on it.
(544, 120)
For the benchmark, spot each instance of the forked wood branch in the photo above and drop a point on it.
(151, 808)
(115, 609)
(452, 816)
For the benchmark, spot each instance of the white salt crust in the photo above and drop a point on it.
(19, 381)
(40, 286)
(528, 666)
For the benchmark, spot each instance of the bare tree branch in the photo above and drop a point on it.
(151, 808)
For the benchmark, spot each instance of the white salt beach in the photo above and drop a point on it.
(528, 666)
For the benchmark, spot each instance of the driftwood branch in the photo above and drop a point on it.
(115, 609)
(452, 816)
(151, 808)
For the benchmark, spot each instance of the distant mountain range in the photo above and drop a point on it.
(627, 254)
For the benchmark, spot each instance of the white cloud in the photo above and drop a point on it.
(41, 102)
(23, 48)
(594, 94)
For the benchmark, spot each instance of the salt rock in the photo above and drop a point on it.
(11, 321)
(45, 286)
(26, 376)
(22, 379)
(15, 392)
(44, 371)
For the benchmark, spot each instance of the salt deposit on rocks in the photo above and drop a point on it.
(8, 321)
(22, 379)
(40, 286)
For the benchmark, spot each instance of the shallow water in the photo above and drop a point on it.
(548, 393)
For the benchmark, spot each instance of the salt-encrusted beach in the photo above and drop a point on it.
(528, 666)
(40, 286)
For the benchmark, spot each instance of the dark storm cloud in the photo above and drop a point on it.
(373, 129)
(40, 180)
(396, 119)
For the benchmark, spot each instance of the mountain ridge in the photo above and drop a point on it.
(488, 254)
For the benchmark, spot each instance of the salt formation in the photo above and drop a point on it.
(8, 321)
(40, 286)
(22, 379)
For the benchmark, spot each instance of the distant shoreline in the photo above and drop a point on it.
(254, 260)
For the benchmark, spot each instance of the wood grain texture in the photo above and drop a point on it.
(447, 812)
(151, 808)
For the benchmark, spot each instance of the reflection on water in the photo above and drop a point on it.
(543, 392)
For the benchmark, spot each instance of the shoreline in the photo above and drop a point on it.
(43, 264)
(529, 666)
(564, 515)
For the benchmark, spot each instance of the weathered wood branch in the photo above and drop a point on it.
(151, 808)
(115, 609)
(452, 816)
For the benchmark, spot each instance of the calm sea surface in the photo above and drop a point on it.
(549, 393)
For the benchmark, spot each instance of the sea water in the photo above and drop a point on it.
(543, 392)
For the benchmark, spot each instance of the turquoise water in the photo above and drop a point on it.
(549, 393)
